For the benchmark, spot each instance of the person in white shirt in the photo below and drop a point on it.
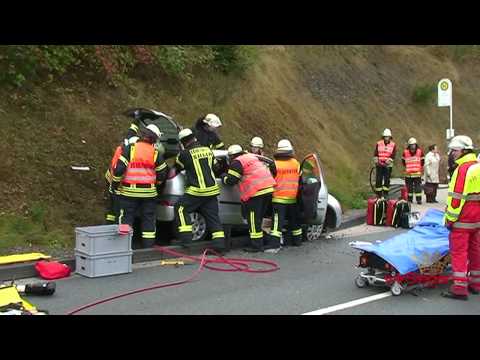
(432, 178)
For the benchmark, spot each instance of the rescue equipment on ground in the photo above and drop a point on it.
(218, 263)
(12, 259)
(408, 261)
(12, 304)
(51, 270)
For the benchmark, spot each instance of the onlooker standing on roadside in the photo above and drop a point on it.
(432, 178)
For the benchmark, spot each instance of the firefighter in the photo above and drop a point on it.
(285, 196)
(205, 131)
(255, 183)
(201, 189)
(139, 173)
(256, 146)
(413, 159)
(462, 217)
(113, 206)
(383, 158)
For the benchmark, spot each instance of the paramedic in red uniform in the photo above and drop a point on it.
(462, 217)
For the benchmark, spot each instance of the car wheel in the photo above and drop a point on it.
(314, 232)
(199, 227)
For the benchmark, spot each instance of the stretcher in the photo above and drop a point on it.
(416, 259)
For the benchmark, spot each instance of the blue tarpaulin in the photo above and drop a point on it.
(423, 245)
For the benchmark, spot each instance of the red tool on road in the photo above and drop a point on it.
(234, 265)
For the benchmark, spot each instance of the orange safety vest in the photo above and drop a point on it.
(288, 175)
(256, 176)
(384, 151)
(141, 168)
(413, 163)
(113, 164)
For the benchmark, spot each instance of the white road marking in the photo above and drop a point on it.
(349, 304)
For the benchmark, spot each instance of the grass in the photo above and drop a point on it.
(334, 101)
(27, 233)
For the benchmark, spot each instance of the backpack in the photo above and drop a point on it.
(380, 212)
(402, 207)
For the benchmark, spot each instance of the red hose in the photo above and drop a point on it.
(236, 264)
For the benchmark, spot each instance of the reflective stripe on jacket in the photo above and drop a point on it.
(413, 163)
(113, 164)
(140, 176)
(463, 201)
(288, 176)
(385, 151)
(256, 177)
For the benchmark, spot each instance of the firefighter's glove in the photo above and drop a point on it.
(375, 160)
(389, 161)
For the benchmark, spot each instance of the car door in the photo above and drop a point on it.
(311, 183)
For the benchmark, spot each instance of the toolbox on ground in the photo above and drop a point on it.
(103, 265)
(102, 240)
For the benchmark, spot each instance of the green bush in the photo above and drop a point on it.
(21, 64)
(424, 94)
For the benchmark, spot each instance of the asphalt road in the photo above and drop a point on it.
(315, 276)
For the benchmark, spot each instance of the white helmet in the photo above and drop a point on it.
(234, 150)
(387, 132)
(257, 142)
(284, 146)
(461, 142)
(185, 133)
(212, 120)
(154, 129)
(412, 141)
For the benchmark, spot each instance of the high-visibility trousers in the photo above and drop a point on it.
(465, 253)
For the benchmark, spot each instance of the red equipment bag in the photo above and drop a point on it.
(391, 205)
(51, 270)
(376, 211)
(370, 210)
(404, 193)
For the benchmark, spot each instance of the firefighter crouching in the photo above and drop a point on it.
(285, 194)
(462, 217)
(413, 159)
(113, 202)
(201, 190)
(139, 173)
(383, 158)
(255, 183)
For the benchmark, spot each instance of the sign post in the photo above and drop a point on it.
(445, 100)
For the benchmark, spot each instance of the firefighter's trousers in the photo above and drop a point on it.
(382, 180)
(282, 213)
(465, 253)
(147, 208)
(414, 186)
(207, 206)
(255, 209)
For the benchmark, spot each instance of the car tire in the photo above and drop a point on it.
(313, 232)
(199, 227)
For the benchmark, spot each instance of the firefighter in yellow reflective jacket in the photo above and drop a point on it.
(201, 190)
(137, 177)
(463, 219)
